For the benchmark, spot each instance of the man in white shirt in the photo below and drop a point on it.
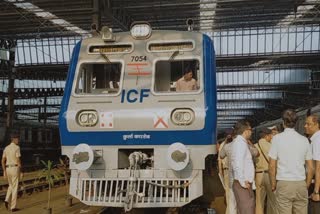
(242, 168)
(289, 154)
(312, 129)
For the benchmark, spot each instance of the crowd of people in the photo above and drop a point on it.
(280, 174)
(274, 175)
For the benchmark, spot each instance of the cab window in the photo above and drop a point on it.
(97, 78)
(178, 76)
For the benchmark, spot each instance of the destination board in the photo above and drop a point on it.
(175, 46)
(110, 49)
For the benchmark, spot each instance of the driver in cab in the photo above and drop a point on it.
(186, 83)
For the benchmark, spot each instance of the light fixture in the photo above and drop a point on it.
(182, 116)
(107, 35)
(87, 118)
(140, 30)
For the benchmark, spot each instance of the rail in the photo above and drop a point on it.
(31, 185)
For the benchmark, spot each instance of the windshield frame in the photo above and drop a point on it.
(174, 93)
(77, 79)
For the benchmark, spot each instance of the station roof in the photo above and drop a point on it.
(59, 17)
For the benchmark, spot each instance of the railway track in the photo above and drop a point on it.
(31, 185)
(27, 168)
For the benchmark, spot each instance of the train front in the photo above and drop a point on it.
(134, 138)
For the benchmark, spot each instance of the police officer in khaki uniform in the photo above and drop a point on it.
(263, 185)
(11, 165)
(274, 130)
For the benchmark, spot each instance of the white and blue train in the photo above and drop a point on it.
(133, 140)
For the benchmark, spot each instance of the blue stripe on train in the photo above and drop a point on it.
(195, 137)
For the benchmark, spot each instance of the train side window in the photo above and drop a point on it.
(170, 76)
(100, 78)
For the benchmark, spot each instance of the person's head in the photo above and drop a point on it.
(228, 135)
(219, 143)
(289, 118)
(312, 124)
(243, 128)
(266, 134)
(14, 137)
(274, 130)
(188, 74)
(229, 138)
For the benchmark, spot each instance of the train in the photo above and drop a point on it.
(133, 139)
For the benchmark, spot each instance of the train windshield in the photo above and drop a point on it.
(177, 76)
(98, 78)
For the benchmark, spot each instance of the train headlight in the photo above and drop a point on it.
(87, 118)
(83, 118)
(178, 156)
(182, 116)
(140, 30)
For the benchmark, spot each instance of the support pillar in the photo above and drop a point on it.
(10, 113)
(96, 16)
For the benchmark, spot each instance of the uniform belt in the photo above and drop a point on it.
(237, 181)
(265, 171)
(225, 168)
(11, 165)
